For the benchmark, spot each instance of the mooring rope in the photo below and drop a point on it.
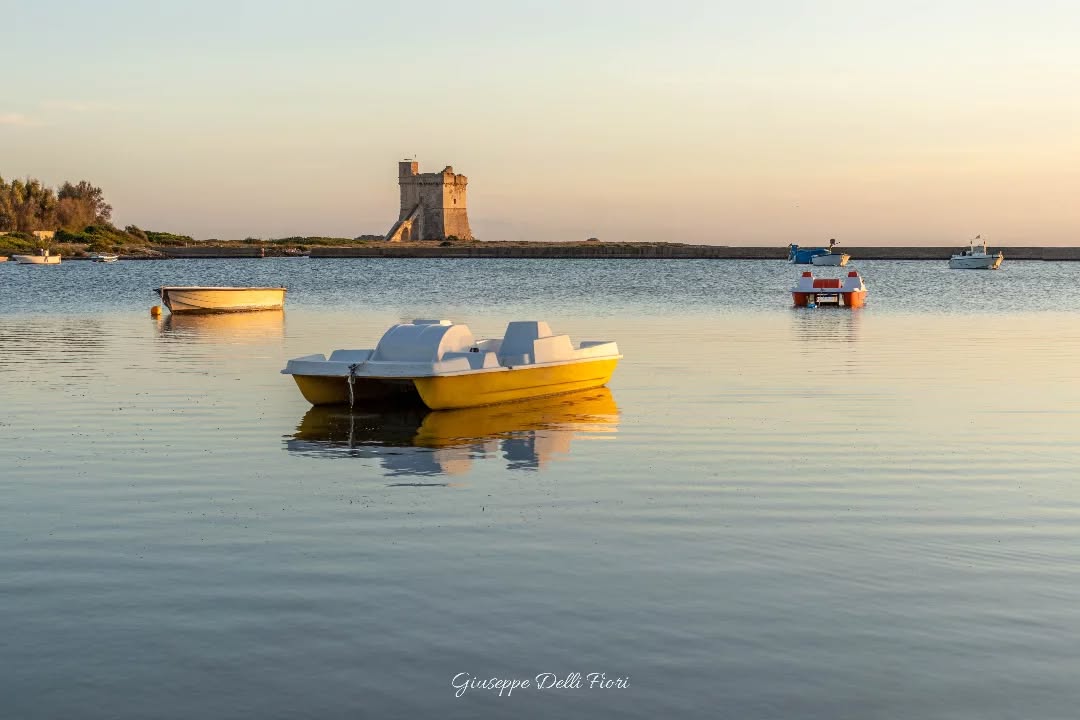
(352, 376)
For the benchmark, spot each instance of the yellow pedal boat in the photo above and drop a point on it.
(441, 362)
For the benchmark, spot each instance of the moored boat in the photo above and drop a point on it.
(441, 362)
(804, 256)
(103, 257)
(976, 258)
(46, 259)
(808, 256)
(221, 299)
(830, 259)
(847, 292)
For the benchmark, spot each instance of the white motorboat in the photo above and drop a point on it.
(104, 257)
(221, 299)
(831, 259)
(46, 258)
(976, 258)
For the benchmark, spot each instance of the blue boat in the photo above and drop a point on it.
(802, 256)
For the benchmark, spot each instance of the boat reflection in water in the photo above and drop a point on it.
(238, 327)
(825, 327)
(416, 441)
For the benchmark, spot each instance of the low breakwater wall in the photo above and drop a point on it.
(539, 251)
(683, 252)
(213, 252)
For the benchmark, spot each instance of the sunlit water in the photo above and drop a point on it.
(770, 513)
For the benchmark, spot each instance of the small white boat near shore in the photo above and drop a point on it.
(46, 259)
(976, 258)
(103, 257)
(221, 299)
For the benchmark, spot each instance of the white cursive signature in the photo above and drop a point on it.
(463, 682)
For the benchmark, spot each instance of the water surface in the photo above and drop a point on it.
(769, 513)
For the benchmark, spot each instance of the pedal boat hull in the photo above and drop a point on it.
(442, 366)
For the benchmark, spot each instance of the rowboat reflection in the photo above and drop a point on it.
(238, 327)
(418, 441)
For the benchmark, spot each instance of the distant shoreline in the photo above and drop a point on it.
(529, 250)
(606, 251)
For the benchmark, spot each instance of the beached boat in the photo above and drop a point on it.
(976, 258)
(221, 299)
(842, 292)
(442, 363)
(103, 257)
(830, 259)
(46, 259)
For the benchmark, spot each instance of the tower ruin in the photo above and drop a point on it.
(433, 205)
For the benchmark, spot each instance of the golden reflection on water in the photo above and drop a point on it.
(254, 326)
(529, 434)
(826, 324)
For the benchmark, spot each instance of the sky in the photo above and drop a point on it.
(732, 123)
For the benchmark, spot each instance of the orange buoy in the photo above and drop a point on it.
(155, 311)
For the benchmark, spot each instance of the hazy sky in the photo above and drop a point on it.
(743, 122)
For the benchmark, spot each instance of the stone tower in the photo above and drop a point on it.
(433, 205)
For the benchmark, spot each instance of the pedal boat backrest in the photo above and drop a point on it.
(423, 341)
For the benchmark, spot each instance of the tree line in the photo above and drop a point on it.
(27, 205)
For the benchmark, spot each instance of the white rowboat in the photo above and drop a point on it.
(221, 299)
(831, 259)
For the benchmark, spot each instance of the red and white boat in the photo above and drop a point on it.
(843, 292)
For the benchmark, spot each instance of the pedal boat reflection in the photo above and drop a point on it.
(414, 440)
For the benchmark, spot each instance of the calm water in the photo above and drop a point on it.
(771, 513)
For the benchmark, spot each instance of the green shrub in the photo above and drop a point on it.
(18, 243)
(96, 236)
(166, 238)
(101, 244)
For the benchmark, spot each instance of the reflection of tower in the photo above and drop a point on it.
(433, 205)
(537, 448)
(453, 460)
